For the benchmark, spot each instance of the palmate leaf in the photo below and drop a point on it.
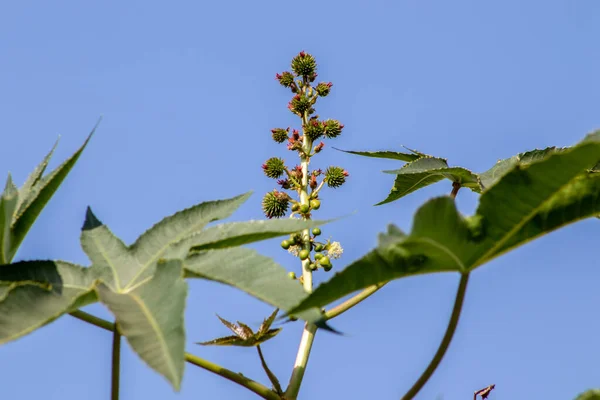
(244, 336)
(528, 201)
(35, 293)
(151, 318)
(426, 171)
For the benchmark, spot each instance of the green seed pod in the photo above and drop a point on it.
(295, 207)
(318, 256)
(315, 204)
(319, 247)
(312, 266)
(274, 167)
(275, 204)
(286, 244)
(335, 176)
(304, 208)
(303, 254)
(327, 268)
(325, 262)
(316, 231)
(292, 275)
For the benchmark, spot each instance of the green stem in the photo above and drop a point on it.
(441, 351)
(238, 378)
(308, 335)
(270, 374)
(116, 363)
(351, 302)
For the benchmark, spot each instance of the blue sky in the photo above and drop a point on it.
(188, 95)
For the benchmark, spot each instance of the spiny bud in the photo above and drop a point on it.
(335, 176)
(312, 182)
(314, 130)
(285, 79)
(319, 147)
(274, 167)
(323, 88)
(304, 65)
(275, 204)
(280, 135)
(284, 183)
(299, 105)
(333, 128)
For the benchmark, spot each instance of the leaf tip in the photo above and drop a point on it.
(91, 221)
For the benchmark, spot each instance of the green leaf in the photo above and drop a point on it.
(528, 201)
(151, 318)
(426, 171)
(251, 272)
(130, 266)
(491, 176)
(40, 292)
(392, 155)
(34, 177)
(244, 336)
(236, 234)
(8, 204)
(36, 193)
(592, 394)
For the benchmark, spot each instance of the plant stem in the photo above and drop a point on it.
(351, 302)
(455, 188)
(270, 374)
(116, 363)
(238, 378)
(308, 335)
(441, 351)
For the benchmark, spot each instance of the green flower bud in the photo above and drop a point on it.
(303, 254)
(275, 204)
(335, 176)
(327, 268)
(323, 88)
(295, 207)
(333, 128)
(312, 266)
(314, 130)
(280, 135)
(300, 104)
(304, 208)
(304, 65)
(292, 275)
(315, 204)
(274, 167)
(318, 256)
(316, 231)
(286, 79)
(319, 247)
(286, 244)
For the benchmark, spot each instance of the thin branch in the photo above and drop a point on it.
(238, 378)
(116, 364)
(351, 302)
(441, 351)
(455, 188)
(270, 374)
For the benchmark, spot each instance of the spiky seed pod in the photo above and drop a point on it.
(280, 135)
(335, 176)
(274, 167)
(300, 104)
(275, 204)
(323, 88)
(286, 79)
(333, 128)
(304, 65)
(314, 130)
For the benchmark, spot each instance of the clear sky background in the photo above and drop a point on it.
(188, 95)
